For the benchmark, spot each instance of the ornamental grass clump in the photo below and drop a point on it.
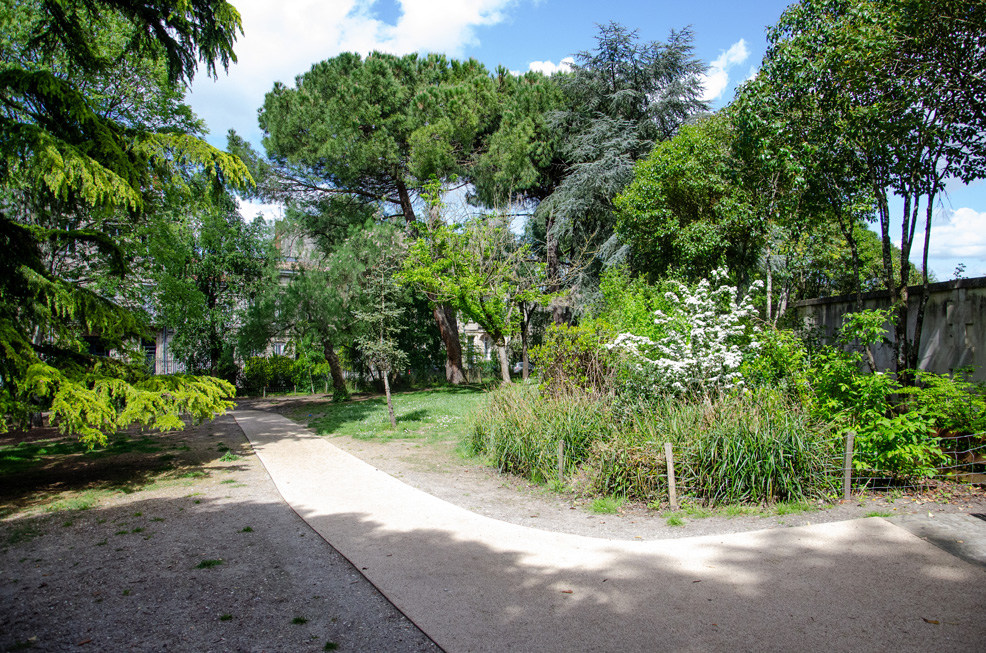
(759, 448)
(519, 430)
(739, 447)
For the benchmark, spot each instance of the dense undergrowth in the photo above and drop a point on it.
(732, 448)
(754, 414)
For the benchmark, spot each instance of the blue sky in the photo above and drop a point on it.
(282, 39)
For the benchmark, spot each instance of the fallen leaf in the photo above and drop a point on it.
(931, 621)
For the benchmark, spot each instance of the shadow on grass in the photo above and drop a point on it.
(416, 413)
(335, 416)
(41, 469)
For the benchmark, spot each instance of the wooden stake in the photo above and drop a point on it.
(672, 491)
(847, 466)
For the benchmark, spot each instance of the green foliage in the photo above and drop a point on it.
(520, 157)
(92, 405)
(209, 263)
(956, 405)
(675, 520)
(209, 563)
(706, 332)
(621, 98)
(480, 269)
(629, 303)
(378, 128)
(781, 361)
(892, 439)
(519, 431)
(575, 358)
(606, 505)
(758, 448)
(95, 139)
(381, 312)
(751, 448)
(275, 372)
(684, 214)
(310, 367)
(885, 95)
(628, 468)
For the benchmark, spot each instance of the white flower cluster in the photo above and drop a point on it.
(700, 351)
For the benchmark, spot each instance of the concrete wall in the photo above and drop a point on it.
(954, 324)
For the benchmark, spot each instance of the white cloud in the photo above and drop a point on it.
(250, 209)
(716, 79)
(959, 234)
(550, 68)
(283, 39)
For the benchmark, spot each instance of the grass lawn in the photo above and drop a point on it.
(442, 414)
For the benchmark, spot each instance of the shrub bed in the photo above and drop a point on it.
(752, 447)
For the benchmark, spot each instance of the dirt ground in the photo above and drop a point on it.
(133, 572)
(185, 544)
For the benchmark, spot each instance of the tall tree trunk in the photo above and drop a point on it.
(406, 206)
(890, 278)
(553, 268)
(903, 353)
(525, 323)
(339, 391)
(501, 350)
(448, 328)
(770, 289)
(390, 404)
(913, 361)
(782, 303)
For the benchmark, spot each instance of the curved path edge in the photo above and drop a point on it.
(472, 583)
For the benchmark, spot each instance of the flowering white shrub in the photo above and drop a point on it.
(701, 350)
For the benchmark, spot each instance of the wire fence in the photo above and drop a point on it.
(966, 464)
(659, 473)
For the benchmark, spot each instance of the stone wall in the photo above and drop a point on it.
(954, 324)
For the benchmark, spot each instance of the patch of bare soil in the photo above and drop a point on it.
(186, 548)
(438, 469)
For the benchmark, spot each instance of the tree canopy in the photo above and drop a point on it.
(93, 132)
(894, 89)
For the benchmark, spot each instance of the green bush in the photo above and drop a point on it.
(275, 372)
(957, 406)
(759, 447)
(629, 304)
(574, 358)
(780, 361)
(896, 427)
(635, 470)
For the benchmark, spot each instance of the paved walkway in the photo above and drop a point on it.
(476, 584)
